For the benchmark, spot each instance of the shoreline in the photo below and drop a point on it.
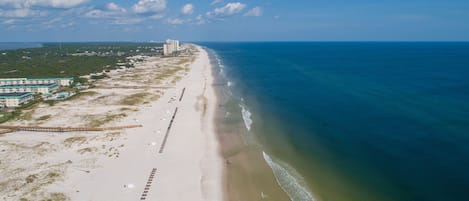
(246, 174)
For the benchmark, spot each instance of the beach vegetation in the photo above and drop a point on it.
(5, 116)
(134, 99)
(26, 115)
(97, 121)
(100, 76)
(87, 150)
(74, 141)
(44, 117)
(31, 178)
(82, 94)
(70, 59)
(57, 197)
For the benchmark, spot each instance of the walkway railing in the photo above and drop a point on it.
(65, 129)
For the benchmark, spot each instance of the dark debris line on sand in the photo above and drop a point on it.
(147, 187)
(167, 131)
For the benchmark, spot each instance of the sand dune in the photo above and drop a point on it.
(129, 164)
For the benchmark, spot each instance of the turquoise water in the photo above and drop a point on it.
(356, 121)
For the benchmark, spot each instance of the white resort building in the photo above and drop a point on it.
(16, 91)
(33, 88)
(11, 100)
(63, 82)
(170, 47)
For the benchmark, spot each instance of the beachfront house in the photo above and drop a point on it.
(16, 99)
(33, 88)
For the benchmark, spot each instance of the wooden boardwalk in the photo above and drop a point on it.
(65, 129)
(135, 87)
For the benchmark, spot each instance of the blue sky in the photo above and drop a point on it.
(225, 20)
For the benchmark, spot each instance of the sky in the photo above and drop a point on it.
(233, 20)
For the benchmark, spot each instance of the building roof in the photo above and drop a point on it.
(28, 85)
(11, 79)
(15, 79)
(15, 95)
(63, 78)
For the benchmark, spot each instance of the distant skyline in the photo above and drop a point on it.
(222, 20)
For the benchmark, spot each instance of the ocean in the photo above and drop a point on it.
(18, 45)
(352, 121)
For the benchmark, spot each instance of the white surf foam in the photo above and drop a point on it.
(289, 180)
(229, 84)
(246, 117)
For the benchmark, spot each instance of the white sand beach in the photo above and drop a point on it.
(145, 163)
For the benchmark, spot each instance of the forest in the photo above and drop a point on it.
(70, 59)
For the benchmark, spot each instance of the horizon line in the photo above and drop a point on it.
(246, 41)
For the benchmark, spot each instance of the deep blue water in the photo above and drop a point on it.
(18, 45)
(362, 121)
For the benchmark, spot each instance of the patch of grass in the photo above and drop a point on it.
(128, 109)
(31, 178)
(26, 116)
(82, 94)
(98, 77)
(5, 116)
(53, 175)
(45, 117)
(87, 150)
(58, 197)
(134, 99)
(74, 140)
(169, 72)
(176, 79)
(74, 97)
(183, 61)
(108, 118)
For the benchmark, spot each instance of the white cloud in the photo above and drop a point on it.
(112, 11)
(200, 20)
(9, 21)
(52, 21)
(175, 21)
(216, 1)
(22, 13)
(254, 12)
(42, 3)
(70, 24)
(98, 14)
(149, 6)
(227, 10)
(124, 21)
(114, 7)
(77, 11)
(187, 9)
(156, 16)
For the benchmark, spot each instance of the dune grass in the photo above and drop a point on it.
(135, 99)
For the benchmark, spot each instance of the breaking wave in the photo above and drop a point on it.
(289, 180)
(246, 117)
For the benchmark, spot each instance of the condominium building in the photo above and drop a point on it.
(170, 47)
(33, 88)
(15, 99)
(22, 81)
